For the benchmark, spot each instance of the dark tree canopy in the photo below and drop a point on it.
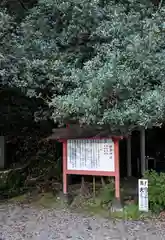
(93, 62)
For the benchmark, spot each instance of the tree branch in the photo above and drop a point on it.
(23, 5)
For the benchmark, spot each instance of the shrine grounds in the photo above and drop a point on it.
(47, 216)
(24, 221)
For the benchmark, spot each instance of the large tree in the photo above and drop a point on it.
(17, 110)
(7, 27)
(94, 61)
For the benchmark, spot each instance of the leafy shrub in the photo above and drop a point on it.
(11, 182)
(156, 190)
(107, 193)
(130, 212)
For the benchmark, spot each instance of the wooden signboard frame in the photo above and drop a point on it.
(115, 173)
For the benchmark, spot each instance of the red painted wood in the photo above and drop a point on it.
(65, 184)
(92, 173)
(117, 172)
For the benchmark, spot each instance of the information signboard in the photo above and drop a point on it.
(143, 195)
(91, 155)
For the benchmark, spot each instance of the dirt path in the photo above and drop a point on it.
(24, 222)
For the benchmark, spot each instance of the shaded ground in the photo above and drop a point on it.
(23, 221)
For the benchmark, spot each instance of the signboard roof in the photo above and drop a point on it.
(78, 132)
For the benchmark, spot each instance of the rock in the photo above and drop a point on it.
(116, 206)
(89, 228)
(66, 198)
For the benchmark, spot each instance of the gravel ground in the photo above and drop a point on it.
(25, 222)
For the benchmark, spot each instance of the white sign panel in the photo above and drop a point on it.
(143, 195)
(91, 155)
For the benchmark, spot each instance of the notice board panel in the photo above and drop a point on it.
(91, 155)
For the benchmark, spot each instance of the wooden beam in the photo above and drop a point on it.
(142, 151)
(129, 163)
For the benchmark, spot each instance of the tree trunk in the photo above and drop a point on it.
(142, 151)
(102, 182)
(129, 164)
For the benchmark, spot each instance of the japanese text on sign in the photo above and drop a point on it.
(91, 155)
(143, 195)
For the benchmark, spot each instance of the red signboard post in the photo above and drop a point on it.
(91, 156)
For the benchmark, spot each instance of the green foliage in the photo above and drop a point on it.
(95, 62)
(39, 167)
(122, 85)
(156, 190)
(7, 27)
(107, 193)
(11, 182)
(130, 212)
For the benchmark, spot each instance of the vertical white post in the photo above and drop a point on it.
(142, 151)
(129, 164)
(2, 152)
